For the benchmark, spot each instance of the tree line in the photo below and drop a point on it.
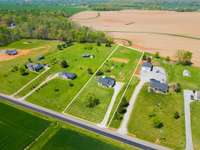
(44, 25)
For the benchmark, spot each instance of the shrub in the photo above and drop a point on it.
(64, 64)
(14, 69)
(157, 55)
(23, 71)
(176, 115)
(89, 70)
(184, 57)
(177, 88)
(98, 43)
(157, 123)
(92, 102)
(144, 57)
(167, 58)
(71, 84)
(99, 73)
(56, 90)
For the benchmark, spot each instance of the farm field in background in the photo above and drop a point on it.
(149, 30)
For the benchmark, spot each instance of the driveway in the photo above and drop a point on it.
(188, 130)
(124, 124)
(117, 89)
(158, 73)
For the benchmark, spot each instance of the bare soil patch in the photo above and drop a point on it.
(120, 60)
(4, 57)
(151, 31)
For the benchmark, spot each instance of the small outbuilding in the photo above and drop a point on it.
(12, 25)
(35, 67)
(88, 55)
(11, 52)
(186, 73)
(107, 82)
(147, 66)
(158, 87)
(67, 75)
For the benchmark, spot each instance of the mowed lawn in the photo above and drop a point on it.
(11, 80)
(120, 66)
(17, 128)
(72, 140)
(95, 114)
(175, 74)
(59, 92)
(195, 119)
(151, 107)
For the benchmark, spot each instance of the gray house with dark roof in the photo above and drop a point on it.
(67, 75)
(87, 55)
(158, 86)
(107, 82)
(35, 67)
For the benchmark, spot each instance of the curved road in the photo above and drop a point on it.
(79, 123)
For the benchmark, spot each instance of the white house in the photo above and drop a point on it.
(147, 66)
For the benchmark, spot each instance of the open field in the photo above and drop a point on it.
(47, 133)
(58, 93)
(120, 71)
(67, 139)
(195, 119)
(150, 107)
(152, 31)
(17, 128)
(10, 77)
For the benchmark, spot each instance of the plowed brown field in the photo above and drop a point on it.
(152, 31)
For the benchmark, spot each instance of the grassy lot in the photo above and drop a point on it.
(151, 108)
(175, 74)
(195, 118)
(58, 93)
(120, 66)
(11, 80)
(116, 120)
(95, 114)
(17, 128)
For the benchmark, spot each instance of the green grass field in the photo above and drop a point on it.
(58, 93)
(17, 128)
(195, 119)
(150, 107)
(175, 74)
(121, 66)
(11, 80)
(68, 139)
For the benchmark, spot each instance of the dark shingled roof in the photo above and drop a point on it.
(107, 81)
(35, 67)
(157, 85)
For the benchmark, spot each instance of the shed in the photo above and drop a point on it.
(186, 73)
(67, 75)
(107, 81)
(87, 55)
(11, 52)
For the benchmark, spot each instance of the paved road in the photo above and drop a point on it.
(117, 89)
(124, 125)
(69, 119)
(188, 130)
